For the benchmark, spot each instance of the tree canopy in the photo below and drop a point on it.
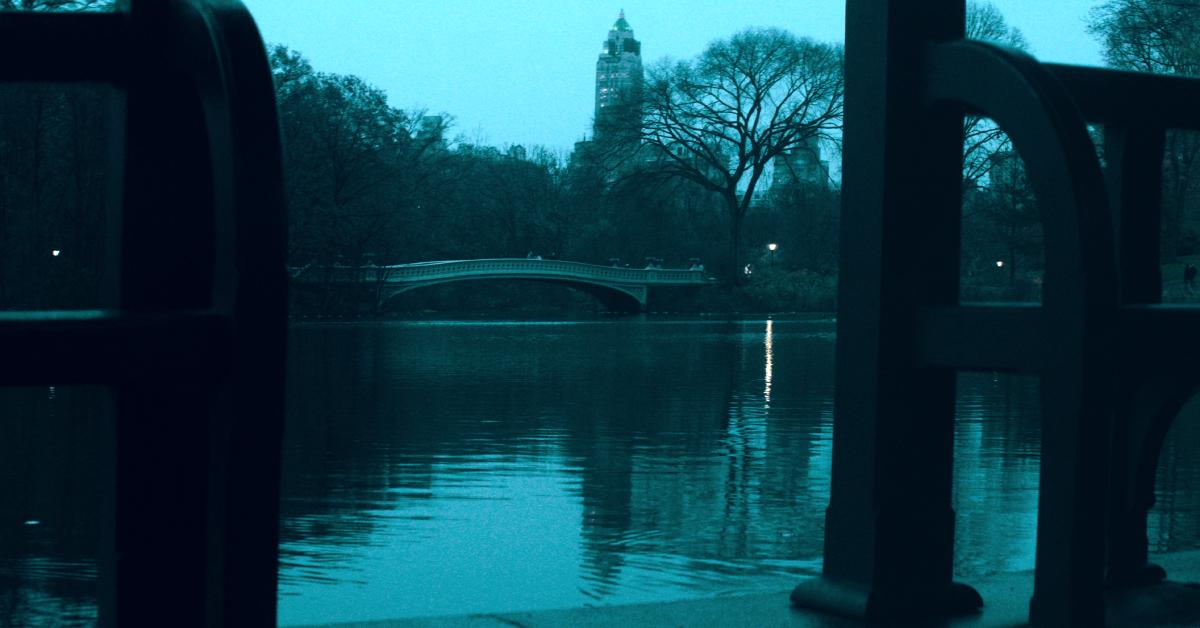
(719, 120)
(1161, 36)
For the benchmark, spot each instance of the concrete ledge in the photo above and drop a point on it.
(1006, 603)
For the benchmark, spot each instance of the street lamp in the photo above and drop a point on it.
(771, 247)
(55, 252)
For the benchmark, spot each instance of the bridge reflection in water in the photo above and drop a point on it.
(618, 288)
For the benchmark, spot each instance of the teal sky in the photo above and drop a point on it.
(521, 71)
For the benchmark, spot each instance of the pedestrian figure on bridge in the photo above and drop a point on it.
(1189, 277)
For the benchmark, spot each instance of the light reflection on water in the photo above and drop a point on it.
(532, 466)
(768, 359)
(465, 468)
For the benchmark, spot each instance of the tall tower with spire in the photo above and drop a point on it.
(619, 72)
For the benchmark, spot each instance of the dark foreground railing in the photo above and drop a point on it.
(1115, 365)
(192, 342)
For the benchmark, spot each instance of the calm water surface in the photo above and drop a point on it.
(441, 467)
(448, 467)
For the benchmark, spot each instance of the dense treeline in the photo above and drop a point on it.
(53, 187)
(367, 181)
(370, 183)
(1161, 36)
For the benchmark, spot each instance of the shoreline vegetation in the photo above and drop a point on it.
(769, 292)
(782, 291)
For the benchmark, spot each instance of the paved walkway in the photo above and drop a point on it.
(1006, 596)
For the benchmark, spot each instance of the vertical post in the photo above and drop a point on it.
(889, 533)
(1133, 156)
(257, 306)
(156, 556)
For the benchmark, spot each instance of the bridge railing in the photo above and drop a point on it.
(430, 271)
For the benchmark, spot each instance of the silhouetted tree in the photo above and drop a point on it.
(1008, 203)
(982, 139)
(803, 220)
(53, 149)
(720, 120)
(353, 164)
(1160, 36)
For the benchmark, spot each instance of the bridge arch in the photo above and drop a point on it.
(630, 299)
(619, 289)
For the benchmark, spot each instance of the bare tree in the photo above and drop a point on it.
(1160, 36)
(718, 121)
(353, 163)
(982, 139)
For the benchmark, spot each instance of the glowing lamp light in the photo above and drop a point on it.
(55, 252)
(772, 246)
(999, 263)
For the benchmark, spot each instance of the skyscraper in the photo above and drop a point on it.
(619, 72)
(801, 165)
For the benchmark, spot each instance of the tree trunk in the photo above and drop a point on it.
(735, 252)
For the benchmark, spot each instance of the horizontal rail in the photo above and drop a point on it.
(72, 47)
(1155, 338)
(982, 337)
(1159, 338)
(100, 347)
(1116, 96)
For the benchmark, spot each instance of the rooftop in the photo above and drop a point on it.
(621, 25)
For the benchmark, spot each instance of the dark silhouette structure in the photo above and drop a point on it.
(192, 338)
(1115, 364)
(192, 341)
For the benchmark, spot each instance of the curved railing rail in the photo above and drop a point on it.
(1115, 364)
(192, 337)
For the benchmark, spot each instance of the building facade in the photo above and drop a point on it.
(801, 166)
(619, 73)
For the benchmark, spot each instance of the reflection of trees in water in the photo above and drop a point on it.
(667, 396)
(681, 466)
(1174, 521)
(997, 449)
(49, 517)
(623, 402)
(672, 462)
(716, 479)
(768, 507)
(339, 411)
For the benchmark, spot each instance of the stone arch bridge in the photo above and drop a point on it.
(618, 288)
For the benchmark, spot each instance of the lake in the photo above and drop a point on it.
(447, 467)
